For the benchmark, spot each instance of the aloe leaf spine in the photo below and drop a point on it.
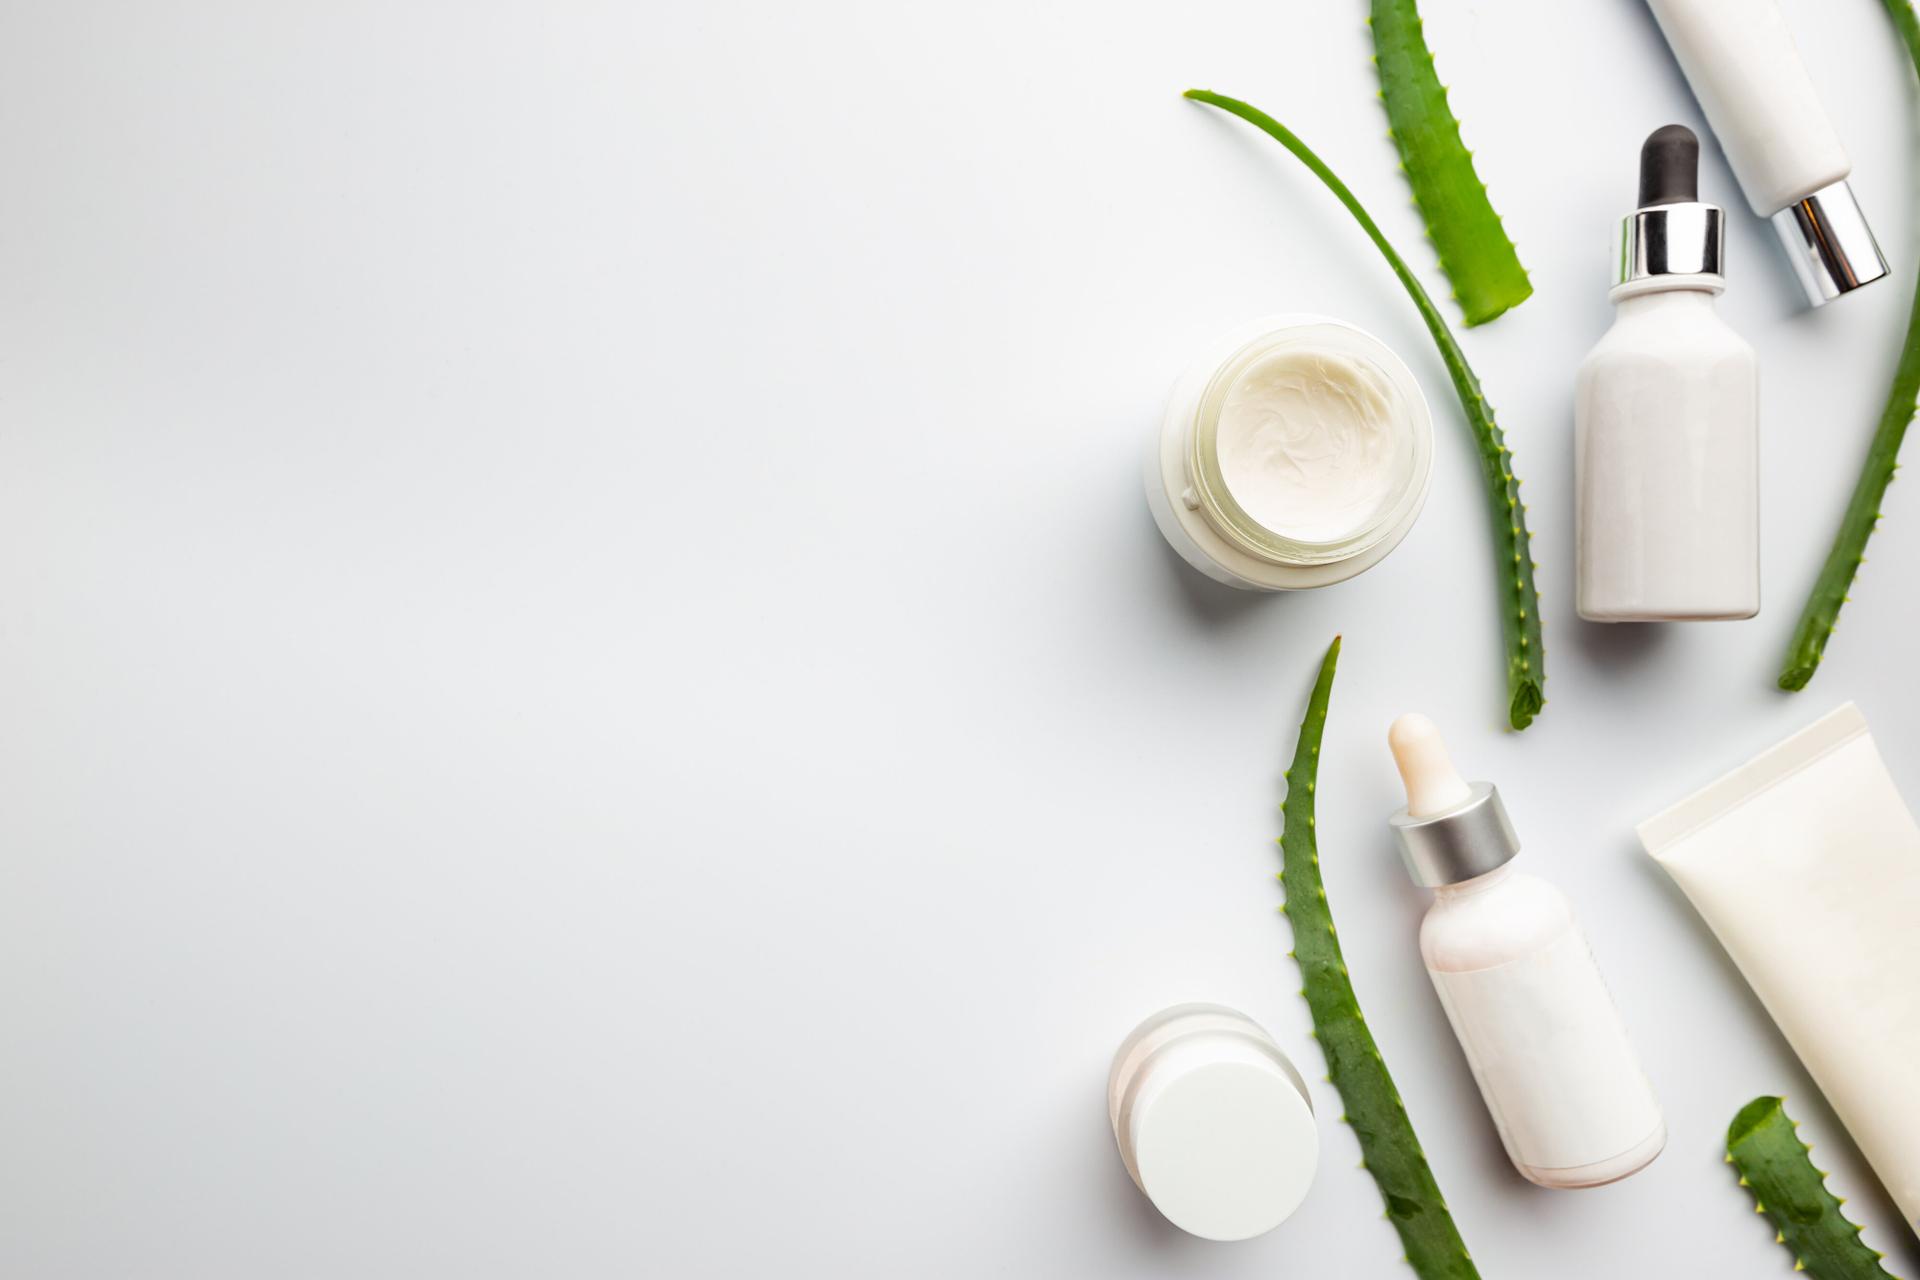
(1764, 1146)
(1849, 550)
(1472, 244)
(1514, 566)
(1388, 1147)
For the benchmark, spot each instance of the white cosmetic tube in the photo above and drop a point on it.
(1805, 862)
(1746, 71)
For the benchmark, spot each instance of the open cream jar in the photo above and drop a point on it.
(1295, 453)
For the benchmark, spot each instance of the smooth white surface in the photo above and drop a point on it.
(1217, 1148)
(1806, 864)
(1546, 1044)
(1666, 423)
(586, 687)
(1213, 1122)
(1741, 58)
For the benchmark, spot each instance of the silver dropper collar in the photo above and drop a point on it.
(1468, 840)
(1672, 240)
(1829, 243)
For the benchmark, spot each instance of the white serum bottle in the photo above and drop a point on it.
(1666, 420)
(1519, 983)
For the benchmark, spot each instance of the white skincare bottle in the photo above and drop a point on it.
(1518, 982)
(1741, 61)
(1666, 420)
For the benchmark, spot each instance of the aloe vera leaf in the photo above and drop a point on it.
(1764, 1145)
(1519, 601)
(1849, 550)
(1473, 247)
(1388, 1148)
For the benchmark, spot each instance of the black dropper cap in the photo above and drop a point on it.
(1671, 233)
(1670, 167)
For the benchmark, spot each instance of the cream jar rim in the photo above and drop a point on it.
(1216, 502)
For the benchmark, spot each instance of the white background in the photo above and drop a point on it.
(586, 687)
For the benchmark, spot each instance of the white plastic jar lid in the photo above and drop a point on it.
(1213, 1122)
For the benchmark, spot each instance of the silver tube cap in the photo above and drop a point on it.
(1468, 840)
(1829, 243)
(1672, 240)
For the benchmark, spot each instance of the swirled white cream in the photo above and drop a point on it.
(1312, 443)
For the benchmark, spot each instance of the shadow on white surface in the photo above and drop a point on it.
(1617, 648)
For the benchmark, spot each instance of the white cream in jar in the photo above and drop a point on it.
(1295, 454)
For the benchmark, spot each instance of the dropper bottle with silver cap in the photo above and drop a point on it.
(1666, 419)
(1518, 982)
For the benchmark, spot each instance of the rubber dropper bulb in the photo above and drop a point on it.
(1433, 784)
(1670, 167)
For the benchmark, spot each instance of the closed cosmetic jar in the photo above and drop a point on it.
(1295, 453)
(1213, 1122)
